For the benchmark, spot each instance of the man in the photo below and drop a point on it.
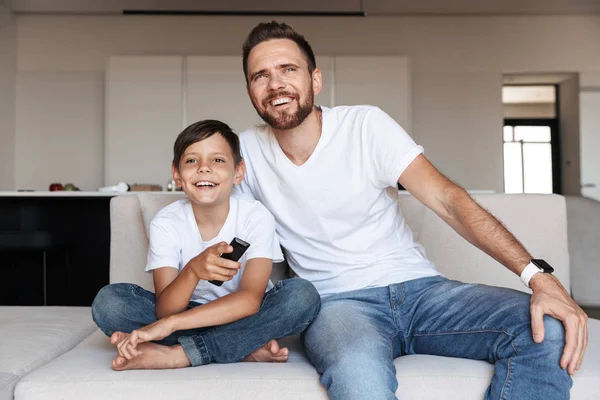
(329, 177)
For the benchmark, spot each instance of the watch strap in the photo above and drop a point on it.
(530, 270)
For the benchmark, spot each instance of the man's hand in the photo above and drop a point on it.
(550, 298)
(158, 330)
(209, 265)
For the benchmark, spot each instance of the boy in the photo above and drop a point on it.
(188, 320)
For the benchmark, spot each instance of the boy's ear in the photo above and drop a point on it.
(176, 176)
(240, 171)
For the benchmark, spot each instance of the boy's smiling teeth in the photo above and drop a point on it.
(281, 100)
(205, 183)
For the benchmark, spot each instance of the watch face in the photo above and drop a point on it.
(543, 265)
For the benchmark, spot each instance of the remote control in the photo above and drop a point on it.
(239, 248)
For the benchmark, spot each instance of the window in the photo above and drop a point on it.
(531, 156)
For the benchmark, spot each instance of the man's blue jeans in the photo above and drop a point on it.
(357, 334)
(287, 309)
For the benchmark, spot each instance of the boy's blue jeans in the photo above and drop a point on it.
(287, 309)
(356, 336)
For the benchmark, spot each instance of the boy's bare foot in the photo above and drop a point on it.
(154, 356)
(116, 337)
(270, 352)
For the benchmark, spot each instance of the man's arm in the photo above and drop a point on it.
(456, 207)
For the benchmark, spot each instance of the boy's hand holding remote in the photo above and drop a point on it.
(209, 265)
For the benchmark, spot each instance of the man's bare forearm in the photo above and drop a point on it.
(483, 230)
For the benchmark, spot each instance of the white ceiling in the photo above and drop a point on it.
(378, 7)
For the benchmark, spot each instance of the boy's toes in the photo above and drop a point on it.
(119, 363)
(116, 337)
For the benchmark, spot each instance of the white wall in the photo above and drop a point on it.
(456, 62)
(530, 110)
(8, 70)
(568, 101)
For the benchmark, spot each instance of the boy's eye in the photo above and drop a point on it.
(219, 160)
(190, 161)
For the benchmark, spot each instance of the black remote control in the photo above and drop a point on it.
(239, 248)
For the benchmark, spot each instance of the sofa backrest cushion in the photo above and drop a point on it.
(538, 221)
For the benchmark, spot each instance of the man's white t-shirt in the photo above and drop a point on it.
(337, 215)
(175, 239)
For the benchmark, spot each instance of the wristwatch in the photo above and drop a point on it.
(536, 265)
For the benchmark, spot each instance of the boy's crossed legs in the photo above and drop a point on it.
(287, 309)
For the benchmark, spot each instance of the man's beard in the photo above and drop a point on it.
(284, 120)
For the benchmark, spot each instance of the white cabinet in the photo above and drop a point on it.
(216, 89)
(144, 109)
(380, 81)
(589, 104)
(149, 100)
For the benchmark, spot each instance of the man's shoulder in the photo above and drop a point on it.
(253, 132)
(352, 111)
(250, 208)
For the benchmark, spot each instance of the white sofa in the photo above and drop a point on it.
(539, 221)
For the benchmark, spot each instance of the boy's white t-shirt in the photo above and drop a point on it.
(175, 239)
(337, 215)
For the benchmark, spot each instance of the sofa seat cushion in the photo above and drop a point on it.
(32, 336)
(7, 385)
(85, 372)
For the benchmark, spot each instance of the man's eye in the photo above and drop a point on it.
(259, 76)
(290, 69)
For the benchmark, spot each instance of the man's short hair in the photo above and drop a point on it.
(266, 31)
(201, 130)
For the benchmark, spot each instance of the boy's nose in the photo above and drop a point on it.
(204, 168)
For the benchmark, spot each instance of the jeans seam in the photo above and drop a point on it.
(463, 332)
(507, 381)
(399, 303)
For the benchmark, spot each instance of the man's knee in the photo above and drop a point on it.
(551, 348)
(360, 374)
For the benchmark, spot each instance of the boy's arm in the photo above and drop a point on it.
(174, 291)
(243, 303)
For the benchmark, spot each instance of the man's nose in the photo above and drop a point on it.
(276, 82)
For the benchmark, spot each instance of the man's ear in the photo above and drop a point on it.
(176, 176)
(240, 171)
(317, 81)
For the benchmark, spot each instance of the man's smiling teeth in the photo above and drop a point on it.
(281, 100)
(205, 183)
